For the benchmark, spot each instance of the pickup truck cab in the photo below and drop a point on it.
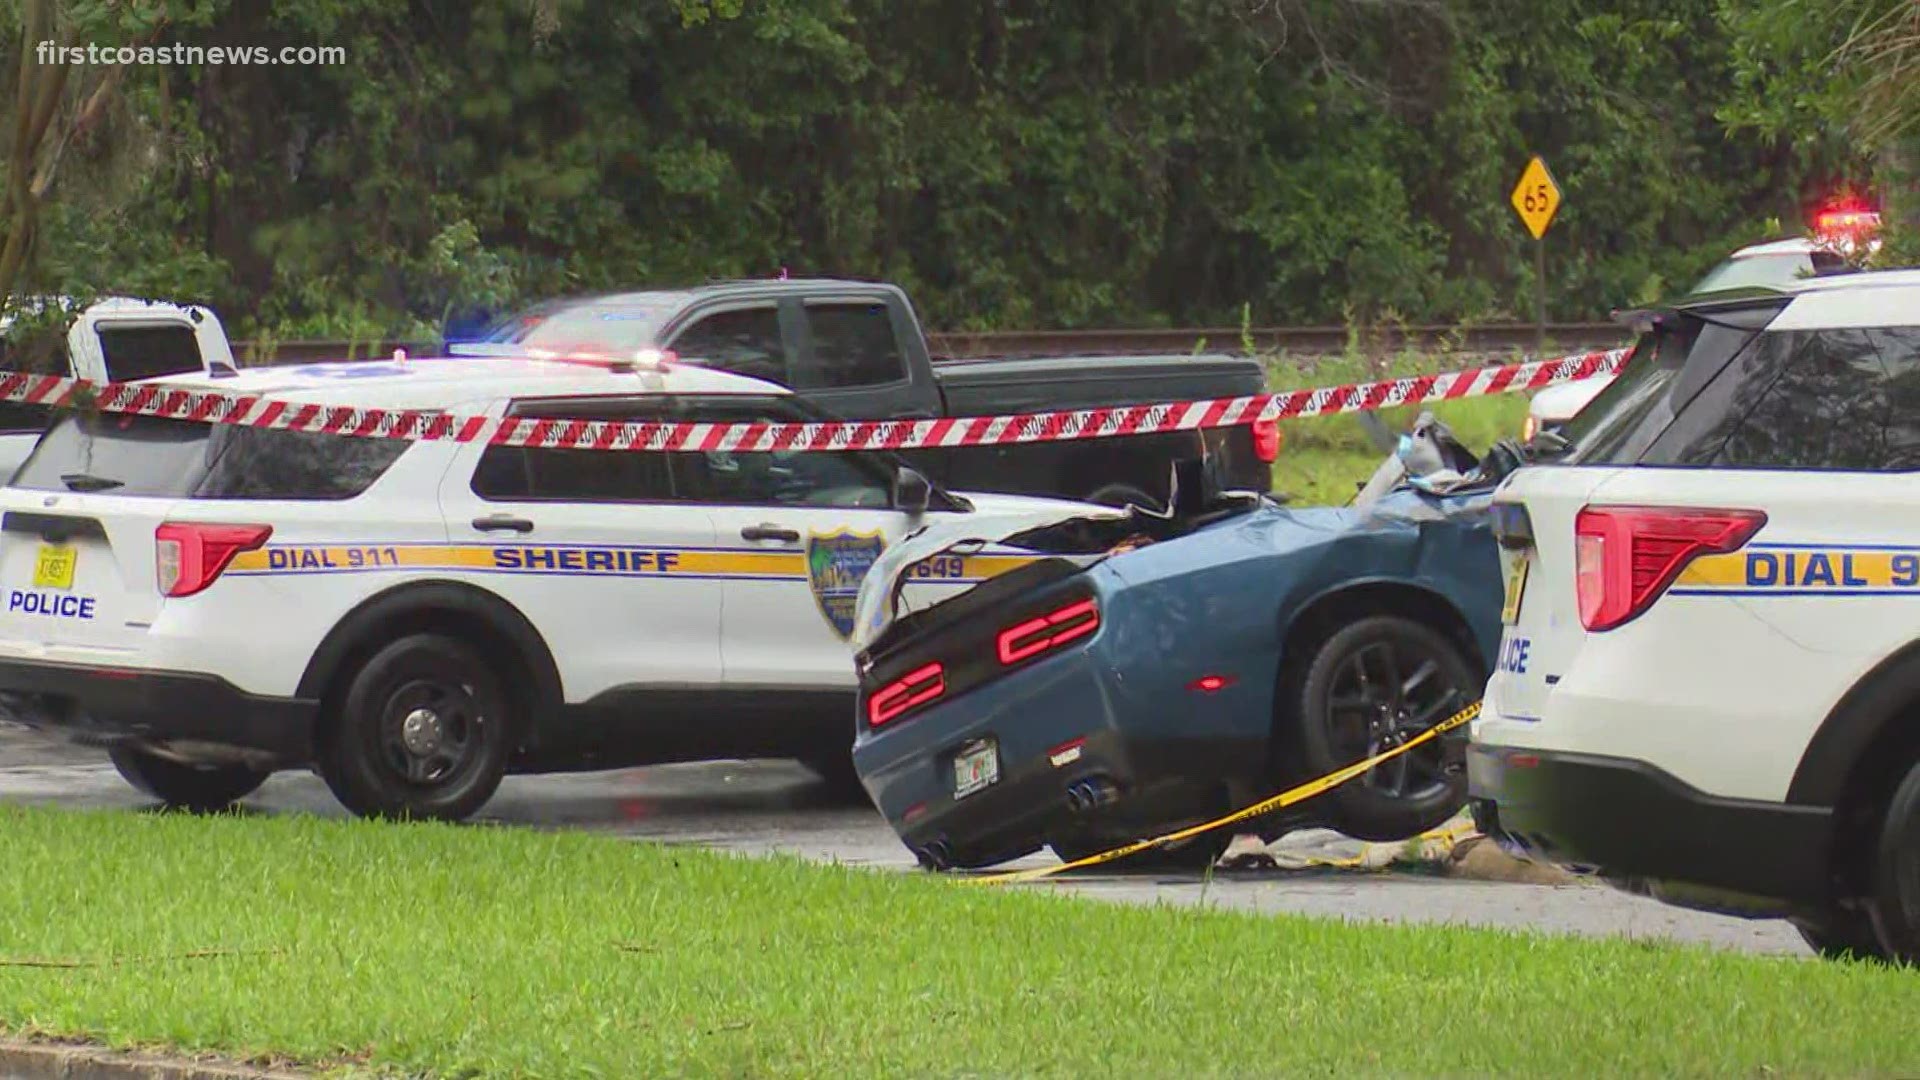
(118, 339)
(856, 350)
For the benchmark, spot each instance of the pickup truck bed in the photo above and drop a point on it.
(986, 386)
(1112, 471)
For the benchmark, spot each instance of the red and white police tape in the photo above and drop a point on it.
(252, 410)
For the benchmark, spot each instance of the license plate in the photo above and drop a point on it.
(976, 766)
(1516, 587)
(54, 567)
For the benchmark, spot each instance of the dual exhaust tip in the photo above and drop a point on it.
(936, 856)
(1083, 797)
(1091, 794)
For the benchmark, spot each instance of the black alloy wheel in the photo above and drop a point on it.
(1371, 686)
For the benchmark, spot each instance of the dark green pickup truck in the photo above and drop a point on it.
(856, 350)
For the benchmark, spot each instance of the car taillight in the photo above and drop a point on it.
(908, 692)
(1029, 638)
(1266, 440)
(189, 555)
(1626, 556)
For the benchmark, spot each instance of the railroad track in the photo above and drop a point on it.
(960, 345)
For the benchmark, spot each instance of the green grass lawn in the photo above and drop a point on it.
(445, 950)
(1324, 460)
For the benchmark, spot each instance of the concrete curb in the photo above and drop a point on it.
(21, 1060)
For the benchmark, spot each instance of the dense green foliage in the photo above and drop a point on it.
(1839, 72)
(1013, 162)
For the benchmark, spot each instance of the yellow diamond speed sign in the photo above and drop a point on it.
(1536, 197)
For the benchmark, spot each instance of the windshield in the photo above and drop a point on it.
(1757, 271)
(622, 327)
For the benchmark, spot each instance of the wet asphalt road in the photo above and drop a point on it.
(761, 807)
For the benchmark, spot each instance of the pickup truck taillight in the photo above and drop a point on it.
(1266, 441)
(189, 555)
(1626, 556)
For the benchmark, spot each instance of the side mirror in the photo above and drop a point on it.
(911, 492)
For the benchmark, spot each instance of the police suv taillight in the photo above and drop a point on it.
(1626, 556)
(189, 555)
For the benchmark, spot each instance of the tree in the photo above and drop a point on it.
(1010, 162)
(60, 102)
(1836, 77)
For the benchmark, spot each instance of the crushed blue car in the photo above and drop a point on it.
(1151, 671)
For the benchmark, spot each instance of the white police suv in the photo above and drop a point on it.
(413, 619)
(1709, 687)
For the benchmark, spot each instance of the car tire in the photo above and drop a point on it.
(1894, 905)
(1371, 683)
(200, 788)
(1841, 935)
(1123, 496)
(423, 730)
(1193, 855)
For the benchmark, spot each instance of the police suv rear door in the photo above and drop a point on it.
(802, 528)
(616, 571)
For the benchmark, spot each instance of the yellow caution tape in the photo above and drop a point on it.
(1275, 802)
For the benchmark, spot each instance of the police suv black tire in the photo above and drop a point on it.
(380, 764)
(201, 788)
(1360, 808)
(1895, 899)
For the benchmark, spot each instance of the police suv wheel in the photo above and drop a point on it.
(422, 731)
(203, 788)
(1895, 903)
(1369, 686)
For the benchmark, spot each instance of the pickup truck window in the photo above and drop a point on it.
(148, 352)
(628, 324)
(744, 341)
(853, 345)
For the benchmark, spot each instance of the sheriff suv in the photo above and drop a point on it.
(1709, 684)
(414, 619)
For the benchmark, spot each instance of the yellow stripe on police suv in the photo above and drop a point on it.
(586, 561)
(1807, 569)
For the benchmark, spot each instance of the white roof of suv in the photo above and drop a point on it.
(450, 382)
(1852, 301)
